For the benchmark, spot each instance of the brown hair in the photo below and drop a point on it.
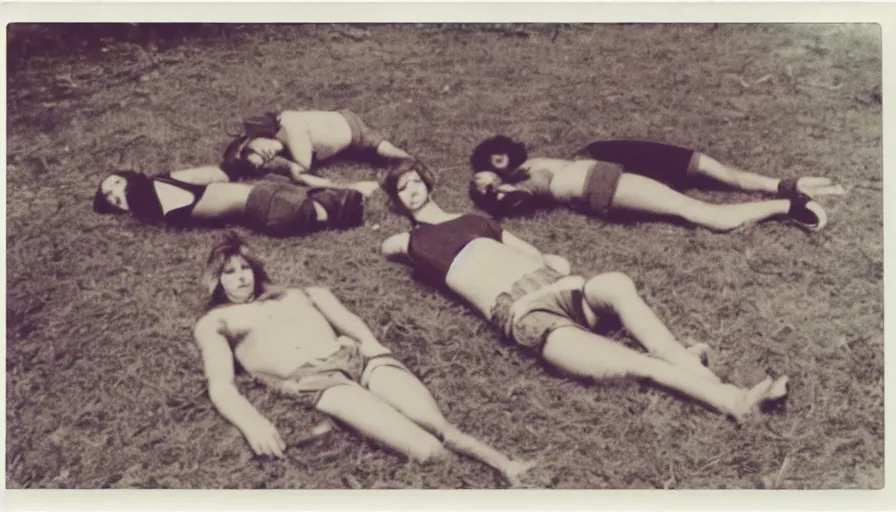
(231, 245)
(390, 182)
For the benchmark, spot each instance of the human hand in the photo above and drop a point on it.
(264, 439)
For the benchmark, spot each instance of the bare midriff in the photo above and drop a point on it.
(329, 132)
(280, 336)
(484, 269)
(567, 183)
(222, 201)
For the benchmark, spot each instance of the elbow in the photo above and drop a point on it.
(221, 392)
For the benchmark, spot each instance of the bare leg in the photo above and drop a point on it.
(586, 354)
(615, 292)
(407, 394)
(752, 182)
(642, 194)
(388, 150)
(374, 418)
(201, 175)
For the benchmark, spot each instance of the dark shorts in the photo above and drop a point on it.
(666, 163)
(600, 188)
(364, 138)
(345, 367)
(279, 209)
(537, 305)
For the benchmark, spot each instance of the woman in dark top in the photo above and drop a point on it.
(636, 176)
(201, 196)
(532, 300)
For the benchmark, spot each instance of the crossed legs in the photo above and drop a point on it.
(667, 362)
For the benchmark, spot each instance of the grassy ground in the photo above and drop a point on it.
(104, 384)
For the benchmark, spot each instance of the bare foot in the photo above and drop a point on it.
(751, 399)
(515, 471)
(777, 393)
(818, 187)
(700, 351)
(766, 393)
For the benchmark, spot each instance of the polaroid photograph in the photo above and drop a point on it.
(459, 256)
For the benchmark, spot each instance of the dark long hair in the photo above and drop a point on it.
(481, 158)
(230, 245)
(142, 199)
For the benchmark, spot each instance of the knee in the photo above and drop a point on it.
(609, 288)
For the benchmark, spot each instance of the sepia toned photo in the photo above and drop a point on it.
(448, 255)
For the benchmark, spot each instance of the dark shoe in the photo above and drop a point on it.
(807, 214)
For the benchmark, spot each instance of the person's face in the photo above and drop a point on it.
(238, 279)
(487, 182)
(500, 161)
(113, 189)
(260, 150)
(412, 191)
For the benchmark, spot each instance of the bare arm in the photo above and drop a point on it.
(217, 360)
(344, 321)
(552, 261)
(201, 175)
(294, 135)
(396, 247)
(285, 167)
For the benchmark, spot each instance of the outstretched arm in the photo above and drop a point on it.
(552, 261)
(201, 175)
(395, 247)
(217, 361)
(344, 321)
(285, 167)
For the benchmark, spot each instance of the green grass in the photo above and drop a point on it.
(104, 383)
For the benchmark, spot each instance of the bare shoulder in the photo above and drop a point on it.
(211, 323)
(396, 244)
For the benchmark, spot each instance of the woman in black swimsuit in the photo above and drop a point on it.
(202, 195)
(533, 301)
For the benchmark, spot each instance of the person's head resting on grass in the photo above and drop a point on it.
(126, 192)
(499, 154)
(409, 187)
(499, 199)
(234, 274)
(255, 147)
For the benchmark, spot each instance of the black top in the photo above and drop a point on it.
(433, 247)
(152, 209)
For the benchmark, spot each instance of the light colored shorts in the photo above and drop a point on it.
(531, 310)
(345, 367)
